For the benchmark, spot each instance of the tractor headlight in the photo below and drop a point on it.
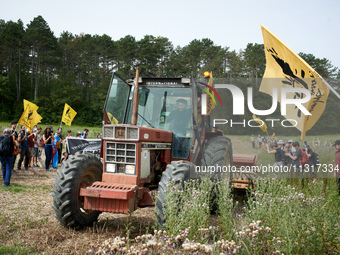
(130, 169)
(110, 168)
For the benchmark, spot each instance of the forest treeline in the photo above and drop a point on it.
(76, 69)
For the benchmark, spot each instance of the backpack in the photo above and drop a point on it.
(304, 158)
(6, 145)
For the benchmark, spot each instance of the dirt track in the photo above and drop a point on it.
(27, 218)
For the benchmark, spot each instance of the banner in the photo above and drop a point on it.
(68, 115)
(291, 71)
(29, 117)
(33, 106)
(83, 145)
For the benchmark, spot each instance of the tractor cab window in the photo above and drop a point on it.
(168, 108)
(117, 100)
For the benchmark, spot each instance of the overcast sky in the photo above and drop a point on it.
(305, 26)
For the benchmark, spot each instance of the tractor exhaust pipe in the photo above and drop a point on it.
(134, 113)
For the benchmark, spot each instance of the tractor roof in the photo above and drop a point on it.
(161, 82)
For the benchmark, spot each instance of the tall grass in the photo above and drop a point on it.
(194, 203)
(306, 222)
(277, 217)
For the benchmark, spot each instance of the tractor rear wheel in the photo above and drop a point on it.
(79, 171)
(177, 171)
(218, 152)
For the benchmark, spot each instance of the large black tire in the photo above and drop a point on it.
(177, 171)
(78, 171)
(218, 152)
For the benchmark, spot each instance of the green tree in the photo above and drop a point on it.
(213, 58)
(43, 52)
(12, 54)
(323, 66)
(175, 65)
(192, 54)
(254, 60)
(152, 55)
(234, 64)
(126, 55)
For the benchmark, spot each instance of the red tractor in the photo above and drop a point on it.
(152, 133)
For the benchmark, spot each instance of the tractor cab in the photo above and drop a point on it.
(163, 103)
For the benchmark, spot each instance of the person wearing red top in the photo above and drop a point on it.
(337, 163)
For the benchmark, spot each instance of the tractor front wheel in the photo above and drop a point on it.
(177, 172)
(79, 171)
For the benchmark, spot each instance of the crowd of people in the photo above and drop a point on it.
(26, 146)
(288, 152)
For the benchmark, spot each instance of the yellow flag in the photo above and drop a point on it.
(274, 136)
(263, 125)
(33, 106)
(68, 115)
(112, 119)
(292, 71)
(210, 102)
(29, 117)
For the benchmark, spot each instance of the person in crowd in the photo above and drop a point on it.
(275, 149)
(24, 148)
(30, 139)
(296, 156)
(60, 144)
(337, 163)
(69, 134)
(15, 133)
(56, 141)
(291, 147)
(313, 161)
(7, 160)
(35, 154)
(259, 141)
(304, 144)
(78, 135)
(316, 143)
(14, 129)
(287, 160)
(65, 154)
(47, 138)
(85, 133)
(252, 139)
(99, 136)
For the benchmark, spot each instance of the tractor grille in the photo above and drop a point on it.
(120, 132)
(108, 132)
(124, 153)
